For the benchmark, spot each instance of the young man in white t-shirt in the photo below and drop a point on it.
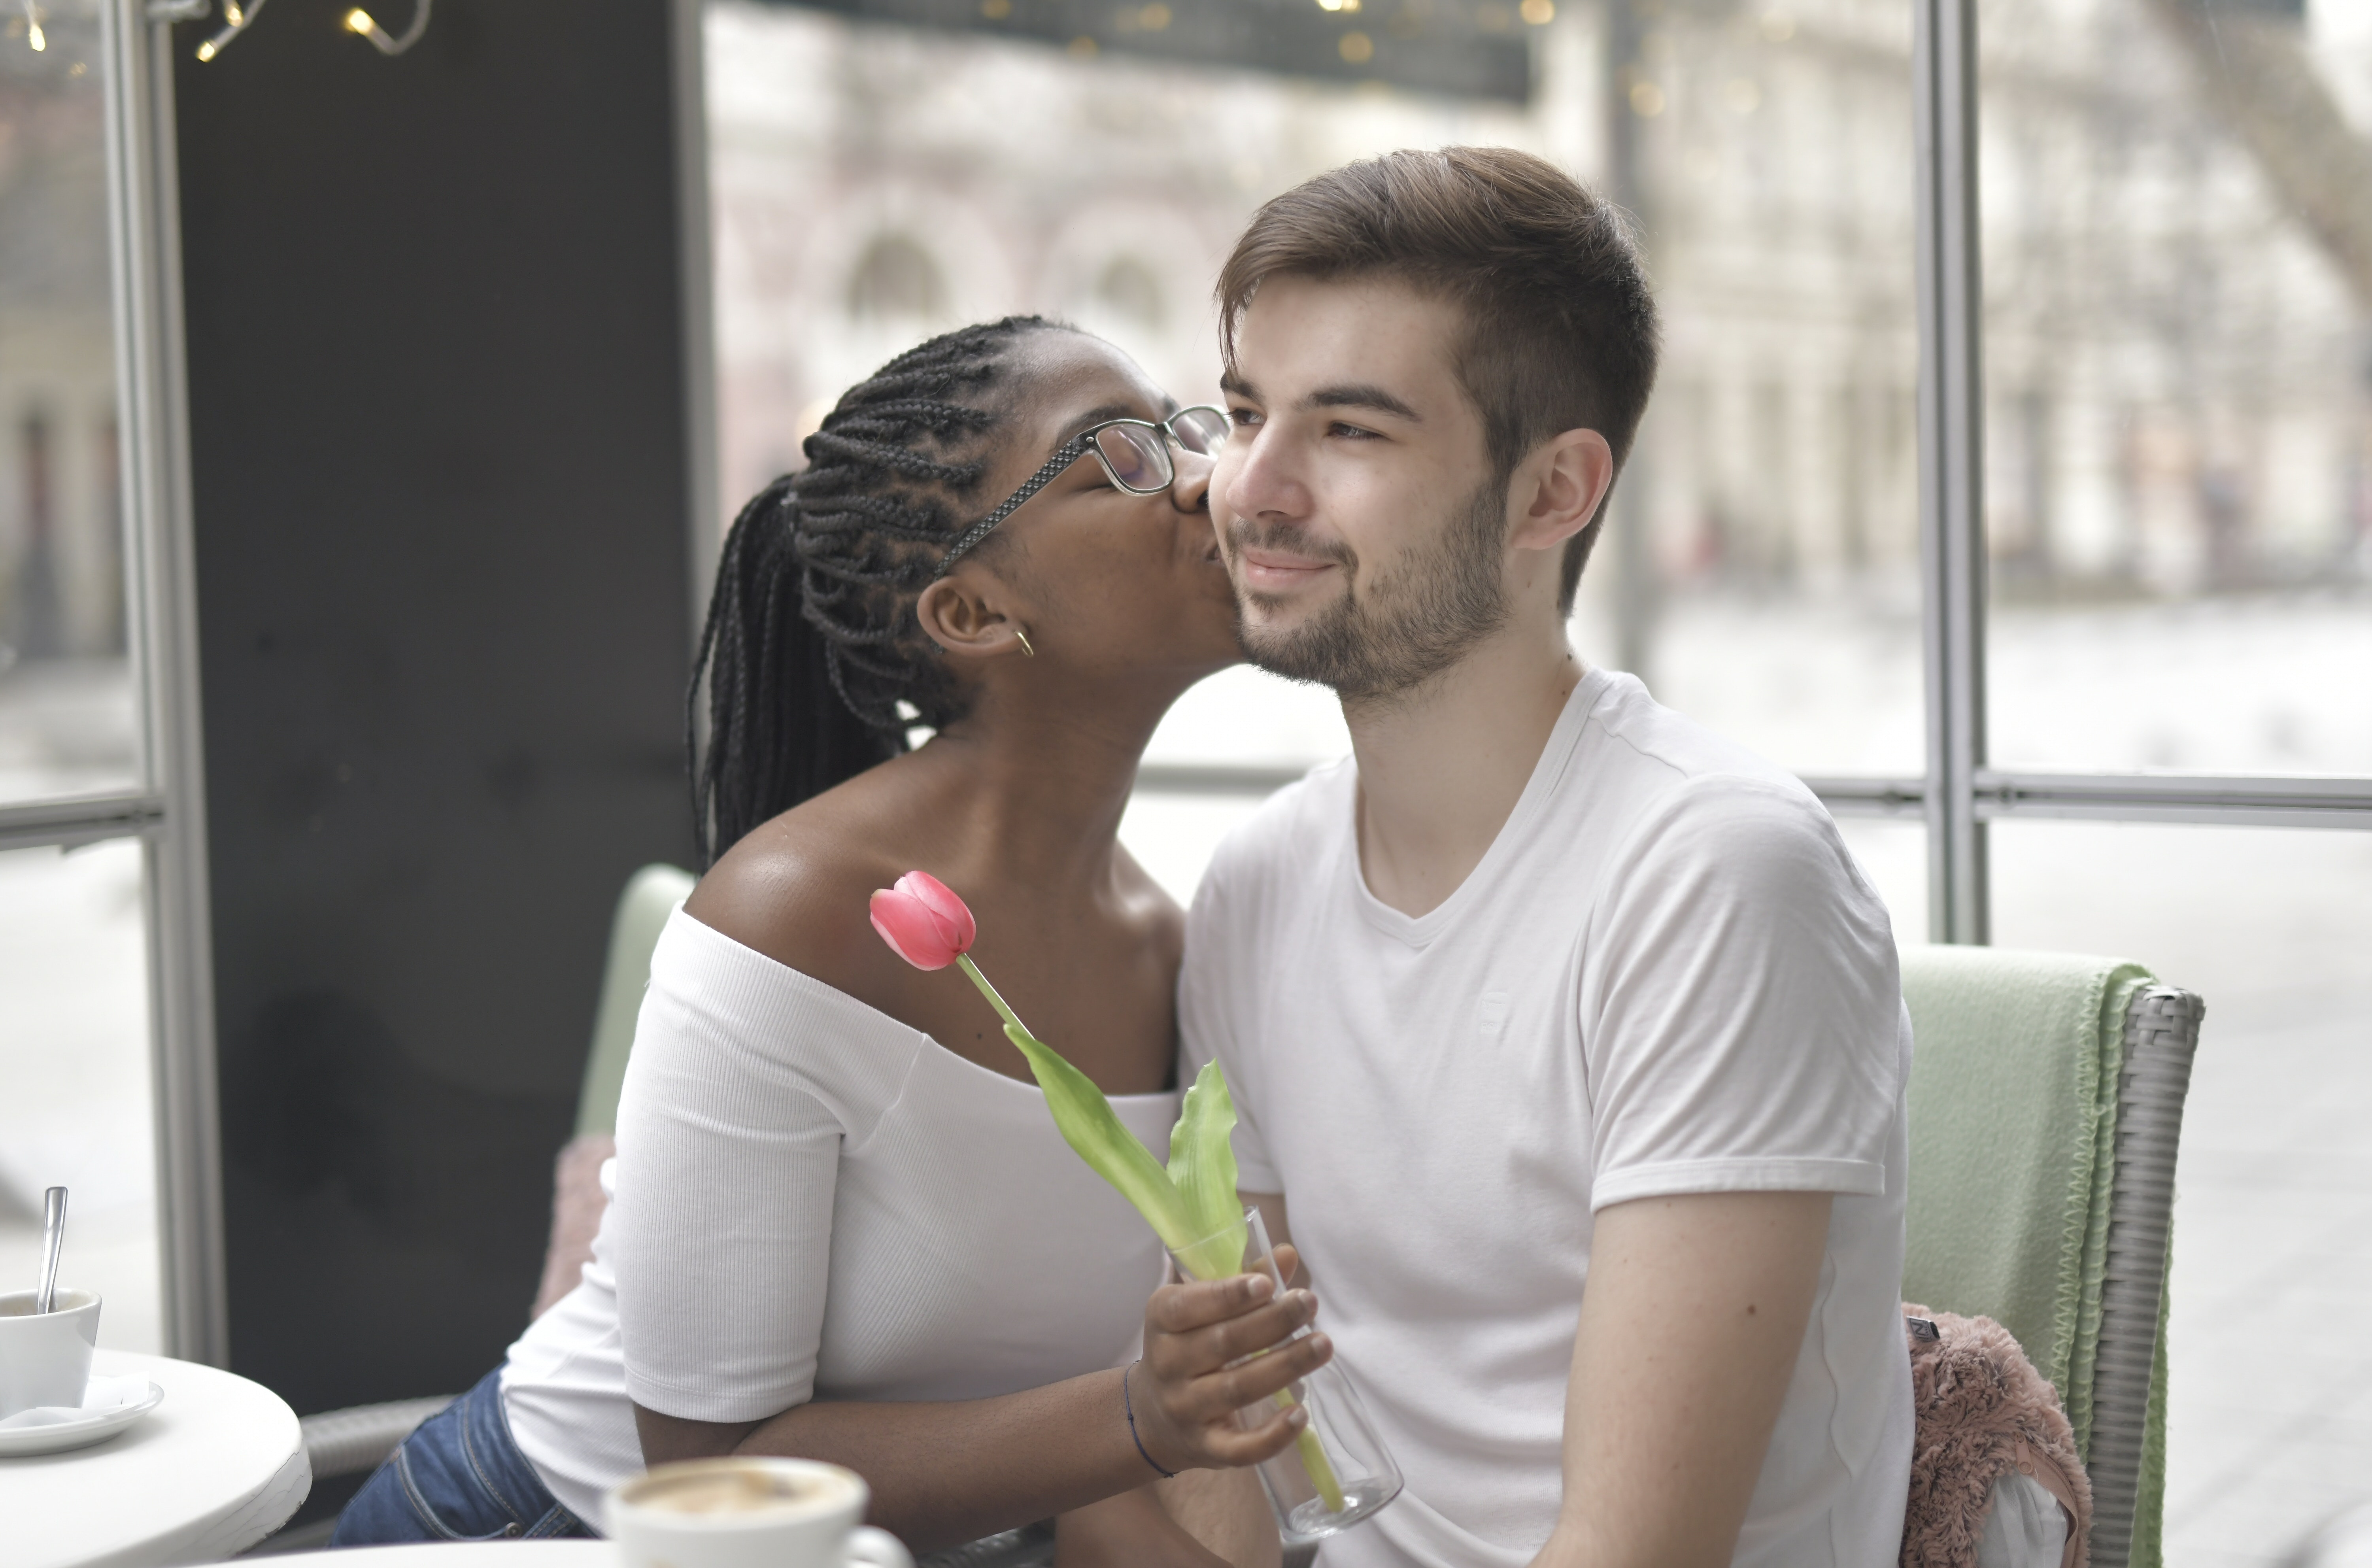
(1567, 1037)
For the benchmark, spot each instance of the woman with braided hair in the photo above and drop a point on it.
(842, 1224)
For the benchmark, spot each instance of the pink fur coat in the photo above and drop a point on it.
(577, 1204)
(1982, 1410)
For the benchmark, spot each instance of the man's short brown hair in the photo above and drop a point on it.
(1560, 325)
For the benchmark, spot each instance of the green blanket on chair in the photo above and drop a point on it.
(2013, 1106)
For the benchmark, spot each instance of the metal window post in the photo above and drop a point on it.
(1952, 463)
(696, 283)
(143, 220)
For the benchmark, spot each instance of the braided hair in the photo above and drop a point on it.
(815, 662)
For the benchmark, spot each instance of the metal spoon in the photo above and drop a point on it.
(53, 1236)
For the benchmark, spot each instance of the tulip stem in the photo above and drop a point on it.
(971, 972)
(1322, 1473)
(1312, 1452)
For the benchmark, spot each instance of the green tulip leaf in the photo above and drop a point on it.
(1088, 1123)
(1203, 1168)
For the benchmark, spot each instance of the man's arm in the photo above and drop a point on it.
(1691, 1323)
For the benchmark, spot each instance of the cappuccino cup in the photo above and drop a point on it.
(747, 1513)
(45, 1358)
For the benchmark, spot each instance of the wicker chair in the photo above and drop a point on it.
(2090, 1059)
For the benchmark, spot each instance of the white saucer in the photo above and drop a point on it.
(109, 1405)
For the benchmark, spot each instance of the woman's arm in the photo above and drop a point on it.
(1194, 1521)
(945, 1472)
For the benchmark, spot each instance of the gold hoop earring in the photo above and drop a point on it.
(1027, 651)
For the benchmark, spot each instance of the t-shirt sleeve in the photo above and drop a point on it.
(1212, 983)
(728, 1156)
(1739, 1004)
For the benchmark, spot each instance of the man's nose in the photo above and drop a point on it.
(1260, 484)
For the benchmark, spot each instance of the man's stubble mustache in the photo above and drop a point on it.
(1244, 534)
(1409, 626)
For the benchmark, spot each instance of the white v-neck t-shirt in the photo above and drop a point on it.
(812, 1200)
(1666, 976)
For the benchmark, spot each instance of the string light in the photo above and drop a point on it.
(34, 36)
(359, 22)
(238, 17)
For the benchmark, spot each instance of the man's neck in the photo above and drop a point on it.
(1442, 766)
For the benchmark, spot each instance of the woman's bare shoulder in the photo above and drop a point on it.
(796, 890)
(1148, 909)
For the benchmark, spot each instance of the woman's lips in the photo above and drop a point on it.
(1276, 571)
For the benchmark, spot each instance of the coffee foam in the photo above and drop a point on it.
(725, 1488)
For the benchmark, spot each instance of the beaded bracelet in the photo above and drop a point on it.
(1129, 1405)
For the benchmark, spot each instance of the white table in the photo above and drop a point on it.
(209, 1472)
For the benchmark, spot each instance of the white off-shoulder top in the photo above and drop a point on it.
(812, 1200)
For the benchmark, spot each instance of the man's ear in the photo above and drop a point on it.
(1556, 490)
(965, 613)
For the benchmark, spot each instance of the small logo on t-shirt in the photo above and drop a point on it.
(1491, 1017)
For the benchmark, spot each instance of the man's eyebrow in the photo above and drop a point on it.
(1239, 386)
(1361, 396)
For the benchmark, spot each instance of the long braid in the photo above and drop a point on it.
(815, 663)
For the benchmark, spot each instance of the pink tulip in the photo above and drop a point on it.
(923, 921)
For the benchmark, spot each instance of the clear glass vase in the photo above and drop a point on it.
(1337, 1471)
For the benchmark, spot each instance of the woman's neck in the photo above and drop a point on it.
(1033, 786)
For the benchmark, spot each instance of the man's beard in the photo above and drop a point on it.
(1408, 626)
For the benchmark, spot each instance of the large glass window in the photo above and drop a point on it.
(65, 699)
(1763, 571)
(74, 1054)
(2175, 239)
(2267, 1429)
(2178, 263)
(73, 1029)
(101, 1017)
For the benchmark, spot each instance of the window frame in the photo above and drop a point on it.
(1963, 793)
(166, 808)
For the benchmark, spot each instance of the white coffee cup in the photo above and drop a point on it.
(746, 1512)
(45, 1358)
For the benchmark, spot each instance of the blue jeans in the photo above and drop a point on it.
(459, 1477)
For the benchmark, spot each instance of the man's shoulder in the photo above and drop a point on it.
(1690, 813)
(1641, 770)
(1629, 732)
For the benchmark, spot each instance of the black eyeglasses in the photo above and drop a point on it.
(1133, 452)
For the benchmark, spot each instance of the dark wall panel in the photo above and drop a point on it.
(437, 419)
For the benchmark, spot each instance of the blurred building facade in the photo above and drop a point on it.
(60, 550)
(65, 706)
(2178, 372)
